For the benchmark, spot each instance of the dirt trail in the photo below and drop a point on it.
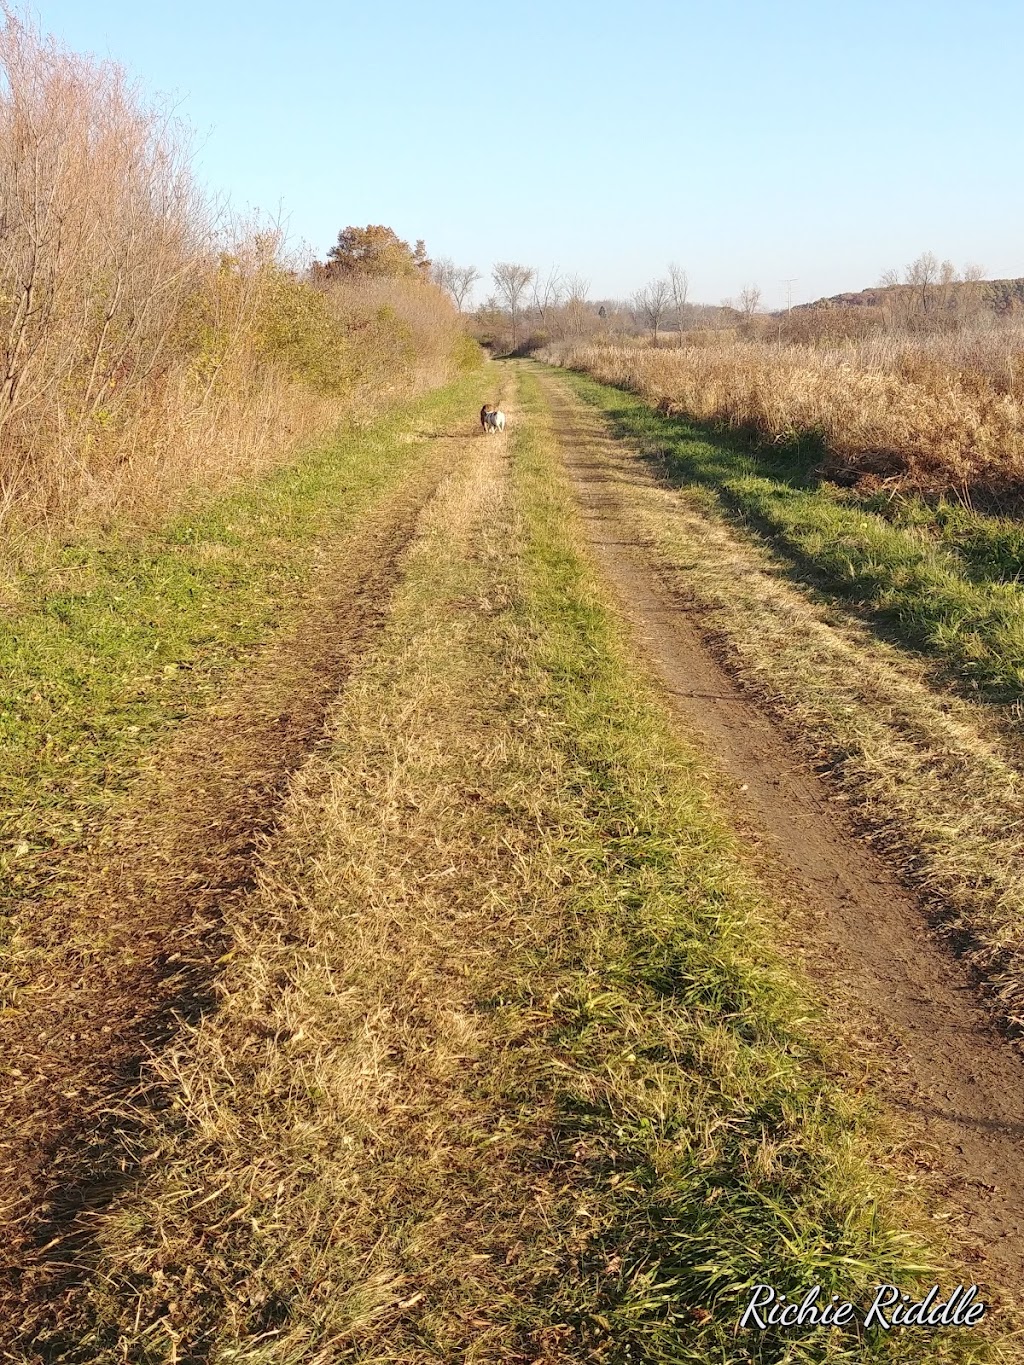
(960, 1082)
(108, 972)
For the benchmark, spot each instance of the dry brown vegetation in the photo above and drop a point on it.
(147, 346)
(933, 412)
(496, 1037)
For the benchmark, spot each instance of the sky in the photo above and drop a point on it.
(750, 143)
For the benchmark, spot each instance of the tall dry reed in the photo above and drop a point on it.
(932, 412)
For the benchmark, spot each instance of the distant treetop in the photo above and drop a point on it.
(374, 250)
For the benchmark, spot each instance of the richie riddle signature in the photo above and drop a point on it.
(891, 1307)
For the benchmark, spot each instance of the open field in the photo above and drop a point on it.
(511, 795)
(780, 684)
(495, 1051)
(945, 576)
(943, 414)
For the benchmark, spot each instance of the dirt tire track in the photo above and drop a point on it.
(959, 1082)
(98, 990)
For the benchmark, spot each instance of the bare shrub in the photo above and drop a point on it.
(511, 281)
(650, 305)
(145, 347)
(576, 314)
(458, 280)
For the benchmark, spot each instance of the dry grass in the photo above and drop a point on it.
(331, 1095)
(146, 348)
(501, 1069)
(935, 413)
(938, 777)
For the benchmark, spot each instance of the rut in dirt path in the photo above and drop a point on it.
(960, 1083)
(108, 972)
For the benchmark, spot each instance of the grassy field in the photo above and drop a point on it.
(110, 642)
(941, 412)
(945, 576)
(776, 563)
(504, 1067)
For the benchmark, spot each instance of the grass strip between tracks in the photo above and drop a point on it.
(503, 1068)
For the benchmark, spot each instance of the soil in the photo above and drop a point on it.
(956, 1078)
(108, 972)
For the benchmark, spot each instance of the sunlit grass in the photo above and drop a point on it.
(935, 587)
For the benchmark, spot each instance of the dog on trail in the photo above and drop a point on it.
(491, 418)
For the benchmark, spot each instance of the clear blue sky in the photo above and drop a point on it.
(749, 142)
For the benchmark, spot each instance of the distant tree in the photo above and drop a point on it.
(457, 280)
(546, 294)
(897, 300)
(650, 304)
(375, 250)
(576, 291)
(922, 276)
(1004, 297)
(949, 279)
(972, 291)
(679, 286)
(512, 281)
(749, 301)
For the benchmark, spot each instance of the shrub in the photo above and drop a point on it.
(145, 349)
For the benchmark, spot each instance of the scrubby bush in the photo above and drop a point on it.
(146, 347)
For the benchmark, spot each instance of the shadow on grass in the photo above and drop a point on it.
(911, 588)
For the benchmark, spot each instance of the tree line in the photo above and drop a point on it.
(527, 307)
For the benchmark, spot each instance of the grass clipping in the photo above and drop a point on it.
(499, 1071)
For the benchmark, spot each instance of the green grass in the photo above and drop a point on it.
(107, 644)
(503, 1067)
(946, 578)
(989, 547)
(690, 1086)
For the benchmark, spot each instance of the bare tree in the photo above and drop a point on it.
(576, 291)
(546, 294)
(750, 301)
(897, 300)
(651, 303)
(679, 286)
(949, 278)
(922, 276)
(512, 281)
(458, 280)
